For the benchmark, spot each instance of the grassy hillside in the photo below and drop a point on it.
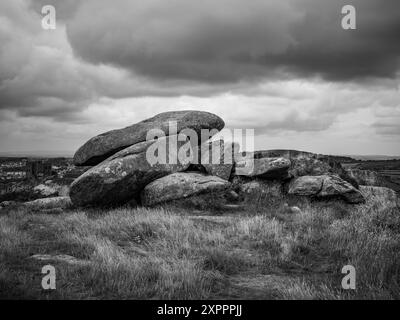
(169, 253)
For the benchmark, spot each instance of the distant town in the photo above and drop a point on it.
(17, 169)
(19, 175)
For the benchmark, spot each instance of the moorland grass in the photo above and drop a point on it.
(167, 253)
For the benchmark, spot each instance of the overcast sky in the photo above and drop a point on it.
(285, 68)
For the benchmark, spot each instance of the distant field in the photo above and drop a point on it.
(379, 165)
(390, 169)
(394, 175)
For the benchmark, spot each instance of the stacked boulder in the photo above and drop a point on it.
(122, 173)
(121, 165)
(181, 185)
(324, 186)
(317, 176)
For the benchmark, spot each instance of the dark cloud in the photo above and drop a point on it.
(278, 66)
(180, 47)
(65, 9)
(323, 47)
(228, 41)
(182, 39)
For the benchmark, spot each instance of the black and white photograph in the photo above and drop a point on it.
(184, 150)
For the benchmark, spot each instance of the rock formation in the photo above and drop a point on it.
(49, 203)
(306, 163)
(267, 168)
(47, 190)
(181, 185)
(99, 148)
(124, 173)
(325, 186)
(123, 176)
(217, 158)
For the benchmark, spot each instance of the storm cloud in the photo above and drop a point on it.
(283, 67)
(233, 40)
